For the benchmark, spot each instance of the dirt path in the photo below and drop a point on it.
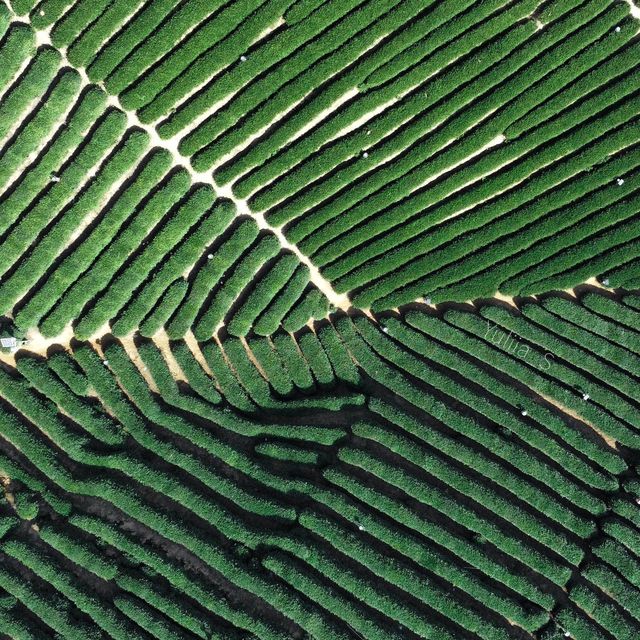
(611, 442)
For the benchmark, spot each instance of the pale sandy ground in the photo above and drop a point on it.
(611, 442)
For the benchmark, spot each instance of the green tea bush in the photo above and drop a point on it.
(313, 304)
(293, 360)
(63, 95)
(16, 47)
(120, 248)
(80, 259)
(495, 237)
(483, 582)
(507, 392)
(483, 405)
(48, 605)
(82, 552)
(196, 376)
(265, 148)
(183, 256)
(49, 205)
(352, 145)
(89, 43)
(160, 314)
(181, 64)
(359, 618)
(211, 272)
(482, 464)
(47, 248)
(173, 227)
(309, 64)
(243, 273)
(374, 595)
(149, 618)
(128, 38)
(314, 354)
(544, 373)
(69, 372)
(228, 46)
(287, 452)
(264, 292)
(47, 12)
(343, 365)
(615, 401)
(280, 306)
(272, 364)
(403, 576)
(74, 21)
(107, 618)
(603, 612)
(97, 423)
(554, 569)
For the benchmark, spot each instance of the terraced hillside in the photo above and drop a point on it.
(320, 319)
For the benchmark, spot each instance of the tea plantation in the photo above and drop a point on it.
(319, 319)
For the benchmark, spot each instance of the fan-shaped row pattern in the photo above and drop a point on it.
(411, 148)
(97, 226)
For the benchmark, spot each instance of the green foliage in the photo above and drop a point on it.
(93, 281)
(260, 297)
(27, 504)
(63, 93)
(183, 256)
(265, 248)
(47, 248)
(214, 172)
(163, 310)
(175, 224)
(93, 420)
(80, 259)
(211, 271)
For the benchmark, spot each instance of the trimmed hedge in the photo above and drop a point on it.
(160, 314)
(90, 42)
(509, 393)
(47, 207)
(244, 271)
(81, 258)
(543, 371)
(173, 226)
(352, 145)
(182, 257)
(268, 146)
(440, 551)
(210, 273)
(95, 421)
(64, 93)
(261, 296)
(282, 303)
(171, 191)
(180, 64)
(312, 61)
(197, 377)
(31, 84)
(16, 47)
(45, 250)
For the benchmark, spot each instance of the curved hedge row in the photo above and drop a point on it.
(423, 470)
(195, 444)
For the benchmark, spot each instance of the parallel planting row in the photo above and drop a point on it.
(97, 226)
(412, 148)
(457, 474)
(231, 459)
